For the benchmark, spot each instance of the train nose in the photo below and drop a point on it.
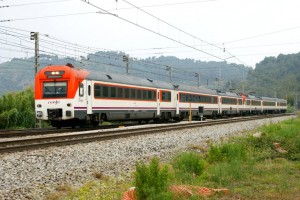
(54, 113)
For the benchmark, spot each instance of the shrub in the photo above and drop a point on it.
(187, 166)
(17, 109)
(227, 153)
(151, 181)
(189, 162)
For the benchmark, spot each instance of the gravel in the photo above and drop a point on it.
(34, 174)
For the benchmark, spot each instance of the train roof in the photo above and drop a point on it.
(190, 88)
(281, 100)
(253, 97)
(228, 94)
(268, 98)
(127, 79)
(132, 80)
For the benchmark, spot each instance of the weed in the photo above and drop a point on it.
(151, 181)
(227, 152)
(187, 166)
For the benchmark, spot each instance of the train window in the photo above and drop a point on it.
(269, 103)
(89, 90)
(97, 90)
(166, 96)
(163, 96)
(126, 93)
(150, 95)
(113, 93)
(240, 102)
(256, 103)
(54, 89)
(81, 89)
(201, 99)
(182, 97)
(139, 94)
(120, 92)
(132, 93)
(105, 91)
(145, 94)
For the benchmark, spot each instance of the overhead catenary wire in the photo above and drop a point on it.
(263, 34)
(157, 33)
(30, 4)
(76, 47)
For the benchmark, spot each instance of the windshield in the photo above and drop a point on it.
(54, 89)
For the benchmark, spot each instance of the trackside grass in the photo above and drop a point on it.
(264, 166)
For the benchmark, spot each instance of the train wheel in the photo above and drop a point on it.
(95, 123)
(58, 125)
(177, 119)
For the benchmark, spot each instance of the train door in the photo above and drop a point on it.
(177, 102)
(220, 104)
(158, 103)
(89, 97)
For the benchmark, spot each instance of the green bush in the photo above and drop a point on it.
(189, 162)
(151, 181)
(225, 172)
(227, 153)
(287, 134)
(17, 110)
(187, 166)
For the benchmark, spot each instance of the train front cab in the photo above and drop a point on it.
(55, 89)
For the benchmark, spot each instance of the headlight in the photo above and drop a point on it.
(39, 114)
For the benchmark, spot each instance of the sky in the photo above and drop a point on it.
(236, 31)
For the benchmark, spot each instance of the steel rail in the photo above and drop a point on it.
(47, 141)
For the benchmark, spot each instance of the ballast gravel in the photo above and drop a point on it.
(34, 174)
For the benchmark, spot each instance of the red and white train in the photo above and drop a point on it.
(68, 96)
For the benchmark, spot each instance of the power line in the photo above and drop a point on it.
(168, 4)
(147, 29)
(30, 4)
(78, 48)
(195, 37)
(264, 34)
(50, 16)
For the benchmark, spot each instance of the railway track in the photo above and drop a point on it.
(46, 131)
(43, 141)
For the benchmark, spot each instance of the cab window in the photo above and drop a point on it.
(54, 89)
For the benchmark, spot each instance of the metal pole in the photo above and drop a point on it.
(127, 64)
(198, 80)
(169, 68)
(126, 60)
(190, 113)
(35, 36)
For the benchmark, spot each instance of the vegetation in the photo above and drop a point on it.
(17, 110)
(264, 165)
(151, 181)
(17, 73)
(276, 76)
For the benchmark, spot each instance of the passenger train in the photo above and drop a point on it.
(69, 96)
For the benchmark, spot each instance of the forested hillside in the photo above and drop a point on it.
(278, 76)
(17, 74)
(274, 76)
